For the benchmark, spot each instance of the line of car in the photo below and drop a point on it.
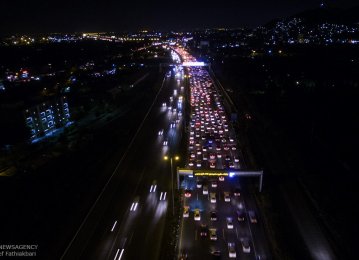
(211, 232)
(211, 144)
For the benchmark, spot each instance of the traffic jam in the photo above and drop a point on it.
(215, 221)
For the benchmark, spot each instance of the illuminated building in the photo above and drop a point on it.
(43, 118)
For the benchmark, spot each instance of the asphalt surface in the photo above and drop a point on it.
(200, 247)
(211, 132)
(111, 230)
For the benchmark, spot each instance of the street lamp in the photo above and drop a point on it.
(176, 158)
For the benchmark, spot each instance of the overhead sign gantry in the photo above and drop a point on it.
(217, 173)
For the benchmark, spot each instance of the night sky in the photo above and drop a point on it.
(117, 15)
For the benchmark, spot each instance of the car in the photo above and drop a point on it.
(221, 178)
(197, 215)
(213, 216)
(190, 163)
(212, 165)
(228, 158)
(245, 245)
(236, 159)
(205, 190)
(234, 148)
(163, 195)
(135, 204)
(229, 223)
(214, 184)
(241, 215)
(252, 216)
(213, 234)
(237, 192)
(219, 155)
(216, 253)
(232, 250)
(199, 184)
(231, 165)
(213, 197)
(186, 211)
(165, 142)
(183, 256)
(193, 155)
(199, 164)
(227, 197)
(204, 157)
(153, 186)
(187, 193)
(212, 156)
(160, 132)
(203, 230)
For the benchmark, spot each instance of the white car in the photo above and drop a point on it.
(213, 197)
(160, 132)
(232, 250)
(245, 245)
(227, 197)
(205, 190)
(165, 143)
(229, 223)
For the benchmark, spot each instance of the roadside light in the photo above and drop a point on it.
(166, 157)
(177, 158)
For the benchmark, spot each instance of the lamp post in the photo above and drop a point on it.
(176, 158)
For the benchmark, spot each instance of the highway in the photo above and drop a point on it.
(127, 221)
(220, 218)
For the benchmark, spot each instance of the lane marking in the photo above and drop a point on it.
(114, 225)
(118, 250)
(112, 175)
(119, 258)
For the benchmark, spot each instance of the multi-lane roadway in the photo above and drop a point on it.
(127, 220)
(220, 215)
